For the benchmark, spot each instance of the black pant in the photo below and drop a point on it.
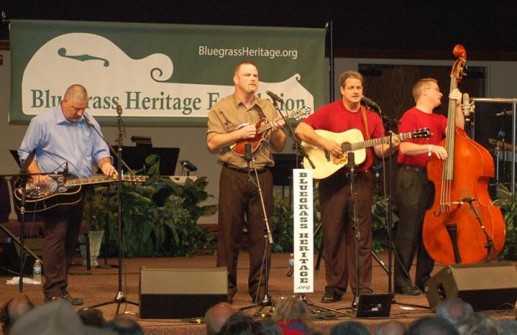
(239, 205)
(415, 194)
(60, 230)
(337, 213)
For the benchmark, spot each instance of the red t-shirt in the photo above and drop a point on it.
(415, 119)
(336, 118)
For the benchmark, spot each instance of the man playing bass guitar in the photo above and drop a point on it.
(415, 193)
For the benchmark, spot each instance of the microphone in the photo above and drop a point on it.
(274, 97)
(466, 106)
(370, 103)
(88, 121)
(503, 113)
(247, 153)
(119, 110)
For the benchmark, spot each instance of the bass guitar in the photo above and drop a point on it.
(351, 140)
(61, 191)
(262, 129)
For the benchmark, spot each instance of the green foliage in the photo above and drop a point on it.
(508, 204)
(380, 221)
(159, 217)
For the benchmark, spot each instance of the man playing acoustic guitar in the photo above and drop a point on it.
(63, 139)
(336, 201)
(232, 121)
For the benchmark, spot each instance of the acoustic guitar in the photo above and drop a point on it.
(326, 164)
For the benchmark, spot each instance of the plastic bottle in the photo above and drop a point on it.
(37, 272)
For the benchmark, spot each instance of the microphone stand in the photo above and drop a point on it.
(120, 297)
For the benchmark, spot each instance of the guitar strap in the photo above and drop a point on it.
(365, 122)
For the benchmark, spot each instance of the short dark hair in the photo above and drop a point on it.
(435, 325)
(350, 74)
(240, 324)
(349, 328)
(125, 326)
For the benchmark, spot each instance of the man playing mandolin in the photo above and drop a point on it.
(233, 122)
(415, 192)
(335, 198)
(63, 140)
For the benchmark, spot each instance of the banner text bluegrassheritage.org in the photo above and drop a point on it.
(204, 50)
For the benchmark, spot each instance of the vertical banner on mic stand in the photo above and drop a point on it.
(303, 231)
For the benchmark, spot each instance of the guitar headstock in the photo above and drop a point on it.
(421, 133)
(301, 113)
(134, 178)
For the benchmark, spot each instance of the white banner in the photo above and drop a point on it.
(303, 231)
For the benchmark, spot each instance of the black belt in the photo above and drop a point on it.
(238, 169)
(413, 168)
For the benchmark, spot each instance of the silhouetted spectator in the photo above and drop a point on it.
(123, 325)
(13, 309)
(391, 328)
(292, 316)
(454, 310)
(477, 324)
(269, 327)
(507, 327)
(349, 328)
(216, 316)
(240, 324)
(92, 317)
(56, 318)
(432, 325)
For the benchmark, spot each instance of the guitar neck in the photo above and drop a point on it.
(377, 141)
(89, 181)
(104, 180)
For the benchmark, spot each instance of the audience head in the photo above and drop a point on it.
(13, 309)
(477, 324)
(124, 325)
(454, 310)
(507, 327)
(291, 308)
(216, 316)
(269, 327)
(349, 328)
(432, 325)
(92, 317)
(56, 318)
(240, 324)
(391, 328)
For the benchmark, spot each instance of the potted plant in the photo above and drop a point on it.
(508, 204)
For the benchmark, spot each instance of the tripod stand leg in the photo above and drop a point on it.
(15, 239)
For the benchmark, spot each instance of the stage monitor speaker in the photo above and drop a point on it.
(180, 293)
(374, 305)
(489, 286)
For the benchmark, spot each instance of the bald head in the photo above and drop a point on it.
(391, 328)
(216, 316)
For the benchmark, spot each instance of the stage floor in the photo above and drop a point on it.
(101, 285)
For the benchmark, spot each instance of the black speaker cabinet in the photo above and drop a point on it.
(180, 293)
(485, 286)
(374, 305)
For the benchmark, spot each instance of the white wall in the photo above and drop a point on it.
(191, 140)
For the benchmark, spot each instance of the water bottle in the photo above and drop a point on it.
(291, 260)
(37, 272)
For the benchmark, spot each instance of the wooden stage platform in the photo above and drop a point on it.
(101, 285)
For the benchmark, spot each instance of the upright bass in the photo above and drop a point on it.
(462, 226)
